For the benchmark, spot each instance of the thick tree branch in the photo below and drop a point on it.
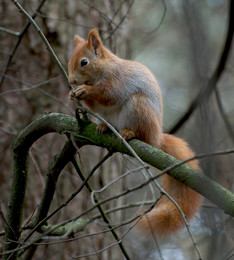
(64, 124)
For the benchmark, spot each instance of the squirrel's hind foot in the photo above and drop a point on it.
(127, 134)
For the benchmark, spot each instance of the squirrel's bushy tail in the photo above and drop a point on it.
(165, 218)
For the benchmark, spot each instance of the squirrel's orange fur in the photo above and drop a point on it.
(127, 95)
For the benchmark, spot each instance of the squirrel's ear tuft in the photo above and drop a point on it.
(78, 40)
(94, 41)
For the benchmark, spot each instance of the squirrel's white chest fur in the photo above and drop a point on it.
(116, 115)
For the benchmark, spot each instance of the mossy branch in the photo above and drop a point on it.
(68, 229)
(64, 124)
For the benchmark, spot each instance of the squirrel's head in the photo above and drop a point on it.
(84, 66)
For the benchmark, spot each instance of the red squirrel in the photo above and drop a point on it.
(126, 94)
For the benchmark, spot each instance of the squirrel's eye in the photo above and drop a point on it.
(83, 62)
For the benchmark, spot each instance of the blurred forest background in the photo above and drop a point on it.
(181, 42)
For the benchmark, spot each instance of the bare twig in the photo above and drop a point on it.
(113, 181)
(121, 20)
(22, 33)
(9, 31)
(38, 87)
(155, 238)
(98, 251)
(37, 168)
(67, 201)
(104, 216)
(123, 207)
(30, 87)
(102, 14)
(64, 20)
(44, 39)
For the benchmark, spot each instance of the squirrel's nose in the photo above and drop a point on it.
(73, 81)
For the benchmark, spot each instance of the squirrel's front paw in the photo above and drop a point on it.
(72, 94)
(79, 93)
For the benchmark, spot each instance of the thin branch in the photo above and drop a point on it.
(37, 168)
(30, 87)
(37, 87)
(98, 251)
(121, 20)
(154, 237)
(42, 221)
(25, 246)
(119, 8)
(64, 20)
(2, 29)
(18, 42)
(123, 207)
(104, 216)
(5, 222)
(44, 39)
(114, 181)
(102, 14)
